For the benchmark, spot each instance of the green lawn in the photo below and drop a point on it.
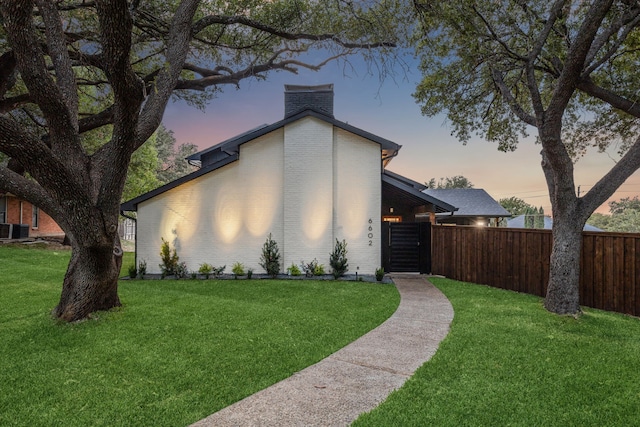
(177, 350)
(508, 362)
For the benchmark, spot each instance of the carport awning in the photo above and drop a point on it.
(399, 190)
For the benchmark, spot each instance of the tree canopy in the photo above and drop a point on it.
(73, 67)
(457, 181)
(568, 69)
(624, 216)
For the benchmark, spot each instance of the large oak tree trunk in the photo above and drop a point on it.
(563, 291)
(91, 282)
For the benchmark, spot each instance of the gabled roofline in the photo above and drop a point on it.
(399, 182)
(404, 179)
(231, 145)
(132, 205)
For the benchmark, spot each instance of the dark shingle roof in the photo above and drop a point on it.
(227, 151)
(231, 145)
(404, 188)
(471, 202)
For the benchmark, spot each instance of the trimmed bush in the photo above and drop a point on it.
(338, 259)
(270, 258)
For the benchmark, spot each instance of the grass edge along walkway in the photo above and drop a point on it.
(355, 379)
(507, 361)
(146, 363)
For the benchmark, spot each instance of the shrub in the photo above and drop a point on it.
(237, 269)
(217, 271)
(181, 270)
(294, 270)
(169, 259)
(379, 274)
(205, 269)
(338, 259)
(133, 271)
(142, 269)
(312, 268)
(319, 270)
(270, 258)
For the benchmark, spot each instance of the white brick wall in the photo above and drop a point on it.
(308, 184)
(358, 200)
(308, 196)
(221, 217)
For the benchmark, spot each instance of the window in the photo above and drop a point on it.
(3, 210)
(35, 216)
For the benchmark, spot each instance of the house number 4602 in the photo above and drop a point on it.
(370, 235)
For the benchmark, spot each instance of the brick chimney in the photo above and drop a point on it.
(298, 98)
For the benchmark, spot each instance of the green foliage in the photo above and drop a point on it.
(205, 269)
(270, 257)
(338, 259)
(624, 217)
(141, 175)
(312, 268)
(171, 163)
(181, 270)
(133, 271)
(142, 269)
(379, 274)
(474, 58)
(319, 270)
(169, 259)
(457, 181)
(237, 269)
(623, 205)
(515, 205)
(534, 217)
(218, 271)
(294, 270)
(180, 332)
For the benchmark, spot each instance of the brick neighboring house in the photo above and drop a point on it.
(26, 220)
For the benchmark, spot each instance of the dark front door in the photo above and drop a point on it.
(406, 247)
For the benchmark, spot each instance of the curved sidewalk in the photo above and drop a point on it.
(358, 377)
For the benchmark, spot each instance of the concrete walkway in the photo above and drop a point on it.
(357, 378)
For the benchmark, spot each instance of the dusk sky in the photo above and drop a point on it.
(388, 110)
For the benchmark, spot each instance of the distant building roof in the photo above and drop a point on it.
(471, 202)
(518, 222)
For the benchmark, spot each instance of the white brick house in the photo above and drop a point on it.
(307, 180)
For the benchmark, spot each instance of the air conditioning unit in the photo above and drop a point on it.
(20, 231)
(6, 230)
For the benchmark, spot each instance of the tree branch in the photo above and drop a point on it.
(166, 80)
(9, 104)
(27, 189)
(202, 23)
(508, 97)
(616, 101)
(575, 61)
(609, 183)
(628, 22)
(57, 46)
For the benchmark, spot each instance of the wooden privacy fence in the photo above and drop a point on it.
(518, 260)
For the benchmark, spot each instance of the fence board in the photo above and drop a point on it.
(518, 260)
